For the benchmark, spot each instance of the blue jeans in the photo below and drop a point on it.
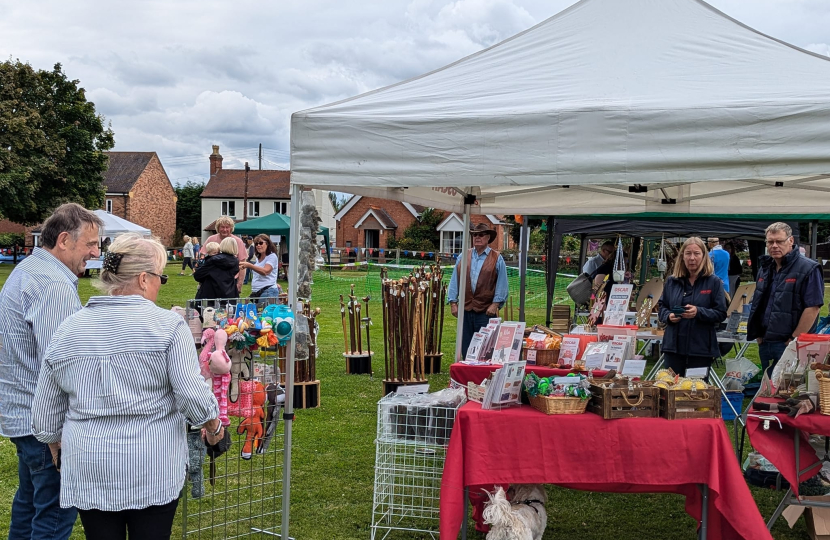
(248, 274)
(36, 511)
(769, 352)
(473, 322)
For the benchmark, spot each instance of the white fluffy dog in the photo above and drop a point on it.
(518, 515)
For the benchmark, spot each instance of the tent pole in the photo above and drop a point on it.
(288, 416)
(583, 251)
(814, 240)
(462, 278)
(555, 247)
(525, 245)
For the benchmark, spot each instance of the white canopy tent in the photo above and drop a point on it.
(114, 226)
(621, 106)
(642, 108)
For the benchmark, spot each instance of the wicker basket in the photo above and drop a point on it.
(559, 405)
(542, 357)
(823, 392)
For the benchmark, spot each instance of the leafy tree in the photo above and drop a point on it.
(338, 200)
(422, 235)
(52, 143)
(189, 209)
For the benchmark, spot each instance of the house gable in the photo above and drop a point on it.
(124, 170)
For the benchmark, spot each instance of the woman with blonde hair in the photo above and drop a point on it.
(118, 382)
(692, 306)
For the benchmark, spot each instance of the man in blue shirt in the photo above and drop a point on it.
(486, 284)
(720, 259)
(789, 293)
(38, 296)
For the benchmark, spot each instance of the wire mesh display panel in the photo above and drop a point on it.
(411, 447)
(239, 494)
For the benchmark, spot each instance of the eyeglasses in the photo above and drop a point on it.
(771, 243)
(162, 277)
(480, 234)
(260, 243)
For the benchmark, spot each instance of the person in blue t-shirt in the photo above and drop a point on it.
(720, 260)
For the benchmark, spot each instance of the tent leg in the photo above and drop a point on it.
(525, 245)
(553, 264)
(288, 416)
(814, 240)
(583, 251)
(462, 282)
(551, 276)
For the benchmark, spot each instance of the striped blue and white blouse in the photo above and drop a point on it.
(117, 382)
(39, 295)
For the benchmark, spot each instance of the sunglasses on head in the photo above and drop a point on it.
(162, 277)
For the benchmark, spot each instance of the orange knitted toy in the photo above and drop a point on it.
(253, 424)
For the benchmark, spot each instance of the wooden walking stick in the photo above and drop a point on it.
(383, 304)
(343, 319)
(357, 322)
(368, 322)
(352, 341)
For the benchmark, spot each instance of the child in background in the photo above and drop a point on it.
(217, 274)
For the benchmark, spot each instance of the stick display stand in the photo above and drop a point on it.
(410, 450)
(432, 363)
(359, 363)
(244, 500)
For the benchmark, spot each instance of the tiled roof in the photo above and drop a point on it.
(124, 169)
(230, 183)
(384, 218)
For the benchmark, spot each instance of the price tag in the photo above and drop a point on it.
(634, 368)
(566, 380)
(531, 356)
(697, 373)
(411, 389)
(594, 361)
(537, 336)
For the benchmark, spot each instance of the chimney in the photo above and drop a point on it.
(215, 161)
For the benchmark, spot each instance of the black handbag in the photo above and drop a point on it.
(580, 290)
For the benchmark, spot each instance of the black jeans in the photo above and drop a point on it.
(151, 523)
(679, 363)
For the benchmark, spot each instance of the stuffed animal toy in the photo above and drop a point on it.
(238, 368)
(243, 407)
(208, 346)
(518, 515)
(252, 426)
(220, 367)
(196, 460)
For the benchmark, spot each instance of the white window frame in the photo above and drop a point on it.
(227, 206)
(253, 208)
(454, 240)
(109, 206)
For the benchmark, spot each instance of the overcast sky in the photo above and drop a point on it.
(177, 76)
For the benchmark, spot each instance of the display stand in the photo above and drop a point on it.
(359, 363)
(392, 386)
(242, 498)
(307, 395)
(432, 363)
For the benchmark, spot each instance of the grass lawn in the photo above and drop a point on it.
(333, 451)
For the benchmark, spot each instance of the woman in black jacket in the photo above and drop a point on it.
(693, 304)
(217, 273)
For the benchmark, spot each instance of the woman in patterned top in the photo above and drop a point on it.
(119, 380)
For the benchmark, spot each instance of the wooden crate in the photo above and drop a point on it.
(542, 357)
(560, 318)
(682, 404)
(613, 403)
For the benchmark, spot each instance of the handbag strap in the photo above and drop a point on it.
(619, 260)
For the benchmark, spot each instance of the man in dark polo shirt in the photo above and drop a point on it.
(789, 293)
(486, 284)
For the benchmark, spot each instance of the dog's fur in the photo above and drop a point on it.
(510, 518)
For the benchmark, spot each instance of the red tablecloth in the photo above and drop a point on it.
(463, 373)
(632, 455)
(777, 444)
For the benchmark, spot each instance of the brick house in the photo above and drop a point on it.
(269, 192)
(139, 191)
(368, 222)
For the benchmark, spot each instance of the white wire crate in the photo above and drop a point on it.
(411, 446)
